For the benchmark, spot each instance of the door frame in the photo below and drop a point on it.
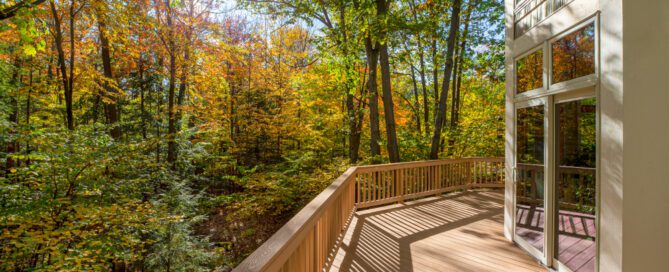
(545, 102)
(549, 103)
(569, 96)
(575, 89)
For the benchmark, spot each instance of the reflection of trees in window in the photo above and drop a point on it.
(557, 4)
(530, 135)
(574, 55)
(577, 133)
(576, 149)
(529, 72)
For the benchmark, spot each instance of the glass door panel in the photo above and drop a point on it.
(530, 179)
(575, 184)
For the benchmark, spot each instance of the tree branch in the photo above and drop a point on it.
(11, 11)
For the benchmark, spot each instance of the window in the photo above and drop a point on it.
(556, 4)
(574, 55)
(529, 13)
(529, 72)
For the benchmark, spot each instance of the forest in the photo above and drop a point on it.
(178, 135)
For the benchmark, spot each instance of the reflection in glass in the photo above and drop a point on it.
(576, 186)
(529, 72)
(558, 4)
(574, 55)
(530, 175)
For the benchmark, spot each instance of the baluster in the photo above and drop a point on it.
(431, 178)
(357, 187)
(382, 185)
(376, 185)
(384, 188)
(420, 180)
(368, 186)
(439, 185)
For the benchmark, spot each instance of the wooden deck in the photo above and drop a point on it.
(457, 232)
(576, 236)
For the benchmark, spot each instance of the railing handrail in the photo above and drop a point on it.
(413, 164)
(278, 249)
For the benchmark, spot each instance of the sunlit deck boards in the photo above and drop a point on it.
(457, 232)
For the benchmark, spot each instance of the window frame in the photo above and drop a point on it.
(574, 89)
(579, 82)
(548, 87)
(548, 12)
(533, 92)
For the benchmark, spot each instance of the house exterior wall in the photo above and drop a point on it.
(610, 97)
(646, 132)
(611, 137)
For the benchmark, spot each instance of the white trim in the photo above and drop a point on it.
(549, 217)
(548, 12)
(534, 252)
(591, 78)
(573, 13)
(565, 97)
(548, 87)
(542, 47)
(575, 95)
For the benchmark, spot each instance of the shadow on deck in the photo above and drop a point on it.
(456, 232)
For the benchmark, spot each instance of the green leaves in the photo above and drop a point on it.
(30, 31)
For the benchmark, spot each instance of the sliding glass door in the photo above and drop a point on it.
(530, 178)
(575, 185)
(555, 149)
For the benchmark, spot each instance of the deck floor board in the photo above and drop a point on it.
(456, 232)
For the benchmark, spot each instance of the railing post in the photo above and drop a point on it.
(476, 174)
(400, 182)
(469, 174)
(438, 177)
(356, 189)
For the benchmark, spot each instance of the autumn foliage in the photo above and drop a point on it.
(178, 135)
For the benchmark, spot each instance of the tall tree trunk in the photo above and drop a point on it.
(423, 81)
(351, 111)
(65, 80)
(457, 79)
(13, 144)
(171, 129)
(28, 105)
(159, 110)
(110, 101)
(435, 75)
(388, 107)
(142, 95)
(361, 104)
(183, 85)
(69, 94)
(375, 131)
(441, 113)
(354, 132)
(416, 98)
(183, 81)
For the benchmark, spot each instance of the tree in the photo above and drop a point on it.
(108, 83)
(388, 106)
(441, 112)
(372, 52)
(10, 11)
(66, 75)
(133, 130)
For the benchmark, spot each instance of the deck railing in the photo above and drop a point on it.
(307, 241)
(576, 186)
(383, 184)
